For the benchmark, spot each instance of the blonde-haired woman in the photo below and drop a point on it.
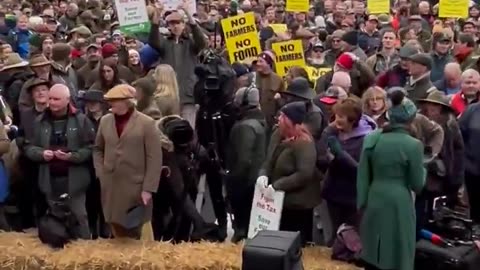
(166, 94)
(375, 104)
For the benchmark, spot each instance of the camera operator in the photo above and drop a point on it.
(215, 117)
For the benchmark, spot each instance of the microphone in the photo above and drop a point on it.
(435, 239)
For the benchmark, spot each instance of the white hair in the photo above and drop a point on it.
(342, 79)
(470, 73)
(453, 67)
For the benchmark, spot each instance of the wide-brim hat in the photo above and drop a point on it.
(300, 87)
(36, 82)
(436, 97)
(14, 61)
(93, 96)
(38, 60)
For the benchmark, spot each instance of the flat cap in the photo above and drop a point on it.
(407, 51)
(121, 91)
(423, 59)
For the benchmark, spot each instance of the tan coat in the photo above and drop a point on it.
(128, 165)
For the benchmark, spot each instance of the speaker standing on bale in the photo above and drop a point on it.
(273, 250)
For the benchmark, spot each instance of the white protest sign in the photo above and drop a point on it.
(266, 211)
(132, 16)
(173, 5)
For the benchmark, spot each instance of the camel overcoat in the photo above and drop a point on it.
(128, 165)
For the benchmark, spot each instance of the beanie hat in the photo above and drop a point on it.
(268, 56)
(403, 110)
(351, 38)
(247, 96)
(240, 69)
(109, 50)
(61, 52)
(178, 130)
(295, 111)
(345, 61)
(148, 56)
(35, 40)
(10, 21)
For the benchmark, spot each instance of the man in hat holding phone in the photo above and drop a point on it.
(128, 161)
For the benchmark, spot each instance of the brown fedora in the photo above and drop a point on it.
(14, 61)
(39, 60)
(437, 97)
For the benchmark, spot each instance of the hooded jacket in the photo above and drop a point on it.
(340, 180)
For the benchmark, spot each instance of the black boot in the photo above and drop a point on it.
(207, 231)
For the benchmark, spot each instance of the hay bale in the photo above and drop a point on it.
(26, 252)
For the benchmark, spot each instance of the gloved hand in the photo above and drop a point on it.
(334, 145)
(262, 181)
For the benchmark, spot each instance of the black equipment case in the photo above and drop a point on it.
(462, 257)
(273, 250)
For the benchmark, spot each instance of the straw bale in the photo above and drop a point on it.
(26, 252)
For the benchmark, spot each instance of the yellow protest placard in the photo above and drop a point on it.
(241, 37)
(297, 5)
(453, 8)
(279, 28)
(288, 54)
(378, 6)
(315, 73)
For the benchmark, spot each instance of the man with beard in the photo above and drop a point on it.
(93, 58)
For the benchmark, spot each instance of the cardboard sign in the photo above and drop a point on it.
(315, 73)
(279, 28)
(266, 211)
(241, 37)
(288, 54)
(297, 5)
(173, 5)
(453, 8)
(132, 16)
(378, 6)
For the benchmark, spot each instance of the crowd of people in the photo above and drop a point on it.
(126, 124)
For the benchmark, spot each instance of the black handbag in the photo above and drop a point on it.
(462, 257)
(273, 250)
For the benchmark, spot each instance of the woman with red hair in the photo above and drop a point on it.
(290, 167)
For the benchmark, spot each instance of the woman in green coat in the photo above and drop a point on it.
(391, 166)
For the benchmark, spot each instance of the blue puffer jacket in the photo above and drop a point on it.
(19, 40)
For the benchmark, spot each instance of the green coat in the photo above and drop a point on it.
(390, 167)
(80, 135)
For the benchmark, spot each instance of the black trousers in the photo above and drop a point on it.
(241, 202)
(298, 220)
(215, 186)
(339, 214)
(96, 219)
(472, 183)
